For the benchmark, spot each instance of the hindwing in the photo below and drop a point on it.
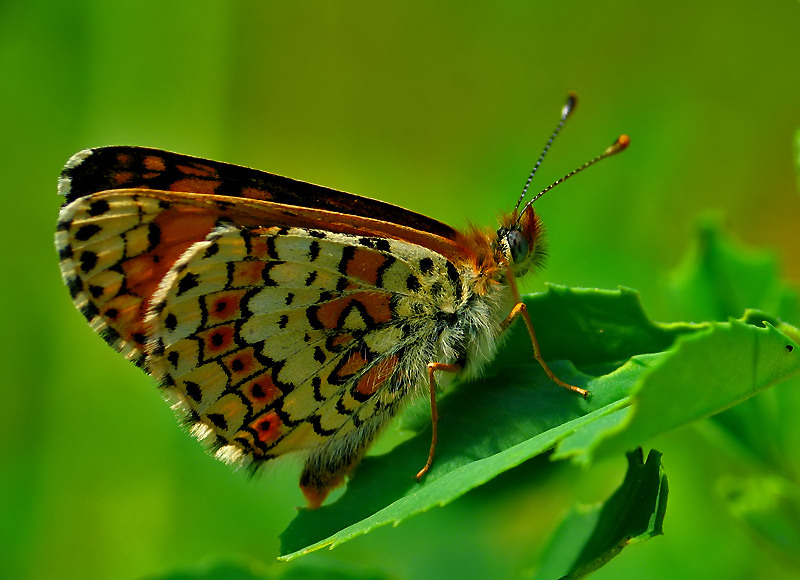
(271, 339)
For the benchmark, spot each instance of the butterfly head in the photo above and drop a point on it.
(520, 241)
(519, 238)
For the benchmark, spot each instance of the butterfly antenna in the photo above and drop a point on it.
(566, 110)
(619, 145)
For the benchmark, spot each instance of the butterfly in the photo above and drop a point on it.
(283, 317)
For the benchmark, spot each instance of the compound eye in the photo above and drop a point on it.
(518, 245)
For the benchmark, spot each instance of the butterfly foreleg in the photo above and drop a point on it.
(521, 309)
(432, 368)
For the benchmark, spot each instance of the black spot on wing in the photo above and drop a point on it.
(170, 322)
(348, 253)
(387, 263)
(153, 235)
(194, 391)
(313, 250)
(426, 266)
(455, 278)
(218, 420)
(88, 261)
(98, 207)
(186, 283)
(86, 232)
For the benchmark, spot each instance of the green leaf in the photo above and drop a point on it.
(644, 378)
(763, 433)
(591, 536)
(721, 278)
(702, 375)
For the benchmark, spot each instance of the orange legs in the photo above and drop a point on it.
(520, 308)
(432, 368)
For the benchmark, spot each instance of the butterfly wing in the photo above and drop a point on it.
(276, 340)
(271, 339)
(115, 247)
(124, 167)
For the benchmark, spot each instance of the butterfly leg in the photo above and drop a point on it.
(521, 309)
(432, 368)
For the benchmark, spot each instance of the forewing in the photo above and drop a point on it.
(114, 250)
(116, 246)
(279, 315)
(123, 167)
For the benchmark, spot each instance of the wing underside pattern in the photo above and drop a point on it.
(270, 339)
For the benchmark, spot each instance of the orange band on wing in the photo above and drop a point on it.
(268, 427)
(154, 163)
(373, 308)
(355, 362)
(376, 376)
(261, 391)
(365, 265)
(195, 185)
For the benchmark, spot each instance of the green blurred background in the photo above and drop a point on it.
(441, 107)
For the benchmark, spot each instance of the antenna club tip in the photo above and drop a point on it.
(619, 145)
